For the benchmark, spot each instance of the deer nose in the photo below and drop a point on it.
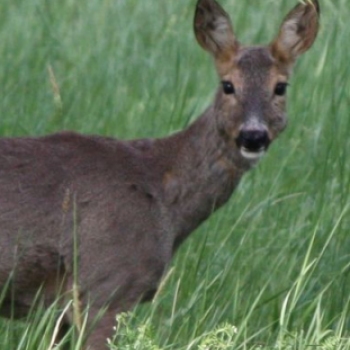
(253, 140)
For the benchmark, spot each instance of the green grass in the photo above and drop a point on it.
(275, 262)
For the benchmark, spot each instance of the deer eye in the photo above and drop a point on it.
(281, 89)
(228, 87)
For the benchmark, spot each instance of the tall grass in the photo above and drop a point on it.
(271, 269)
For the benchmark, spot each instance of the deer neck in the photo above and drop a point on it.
(205, 167)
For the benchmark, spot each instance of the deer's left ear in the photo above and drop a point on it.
(298, 31)
(213, 30)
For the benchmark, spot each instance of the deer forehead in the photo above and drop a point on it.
(253, 67)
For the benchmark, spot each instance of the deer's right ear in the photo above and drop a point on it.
(213, 29)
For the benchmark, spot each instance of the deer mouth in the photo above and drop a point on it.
(252, 155)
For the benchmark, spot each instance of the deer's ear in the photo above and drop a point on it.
(213, 29)
(298, 31)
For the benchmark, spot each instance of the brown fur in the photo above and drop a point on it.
(121, 208)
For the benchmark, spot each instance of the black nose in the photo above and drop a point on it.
(253, 140)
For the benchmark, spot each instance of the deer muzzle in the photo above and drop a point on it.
(253, 142)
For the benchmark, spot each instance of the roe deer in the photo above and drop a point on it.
(127, 205)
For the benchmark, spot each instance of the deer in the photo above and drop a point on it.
(104, 216)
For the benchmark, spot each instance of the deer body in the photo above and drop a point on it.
(123, 207)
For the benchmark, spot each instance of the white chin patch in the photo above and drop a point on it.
(252, 155)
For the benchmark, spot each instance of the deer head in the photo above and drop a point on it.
(250, 104)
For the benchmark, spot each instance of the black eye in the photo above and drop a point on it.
(281, 89)
(228, 87)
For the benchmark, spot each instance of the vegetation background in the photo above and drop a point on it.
(271, 269)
